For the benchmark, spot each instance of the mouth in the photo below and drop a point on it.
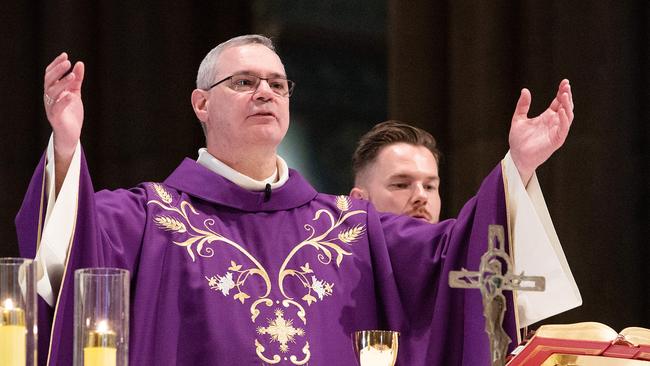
(422, 215)
(263, 115)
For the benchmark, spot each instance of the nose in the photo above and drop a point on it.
(263, 91)
(419, 195)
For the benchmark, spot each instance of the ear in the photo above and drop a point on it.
(200, 104)
(359, 193)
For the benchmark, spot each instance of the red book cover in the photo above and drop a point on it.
(588, 339)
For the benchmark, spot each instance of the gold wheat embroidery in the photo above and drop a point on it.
(170, 224)
(162, 193)
(343, 203)
(351, 235)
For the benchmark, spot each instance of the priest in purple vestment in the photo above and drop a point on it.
(236, 259)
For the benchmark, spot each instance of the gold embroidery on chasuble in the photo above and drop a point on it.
(285, 327)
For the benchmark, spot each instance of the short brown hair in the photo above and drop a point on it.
(388, 133)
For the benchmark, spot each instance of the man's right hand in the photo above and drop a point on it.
(64, 110)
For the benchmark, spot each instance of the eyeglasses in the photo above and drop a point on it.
(246, 83)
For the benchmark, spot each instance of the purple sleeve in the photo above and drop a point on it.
(28, 229)
(412, 261)
(107, 233)
(32, 211)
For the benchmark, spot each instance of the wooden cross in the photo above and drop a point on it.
(495, 275)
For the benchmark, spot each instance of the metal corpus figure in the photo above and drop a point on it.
(495, 275)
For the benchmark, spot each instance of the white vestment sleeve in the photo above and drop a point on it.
(537, 250)
(58, 226)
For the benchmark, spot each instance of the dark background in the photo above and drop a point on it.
(452, 67)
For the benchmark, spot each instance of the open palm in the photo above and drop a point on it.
(533, 140)
(63, 104)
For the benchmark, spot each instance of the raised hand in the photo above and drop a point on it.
(63, 105)
(533, 140)
(64, 110)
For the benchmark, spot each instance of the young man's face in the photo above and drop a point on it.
(260, 118)
(403, 179)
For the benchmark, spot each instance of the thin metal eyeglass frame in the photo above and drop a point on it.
(291, 83)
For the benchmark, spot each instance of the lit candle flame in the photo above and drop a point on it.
(102, 326)
(8, 304)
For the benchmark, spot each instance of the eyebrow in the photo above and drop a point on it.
(249, 72)
(408, 176)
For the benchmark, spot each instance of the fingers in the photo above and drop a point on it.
(59, 86)
(523, 104)
(55, 73)
(78, 71)
(55, 83)
(563, 88)
(71, 82)
(58, 59)
(570, 93)
(563, 126)
(567, 105)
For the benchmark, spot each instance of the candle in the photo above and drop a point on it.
(371, 356)
(13, 335)
(101, 346)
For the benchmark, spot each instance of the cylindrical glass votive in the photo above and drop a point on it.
(18, 330)
(376, 347)
(101, 317)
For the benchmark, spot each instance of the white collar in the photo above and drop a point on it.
(276, 180)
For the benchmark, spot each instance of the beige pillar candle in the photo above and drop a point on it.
(13, 335)
(101, 346)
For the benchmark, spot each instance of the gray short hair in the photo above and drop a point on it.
(208, 68)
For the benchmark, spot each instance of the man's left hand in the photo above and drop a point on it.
(533, 140)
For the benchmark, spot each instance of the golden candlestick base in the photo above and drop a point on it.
(376, 347)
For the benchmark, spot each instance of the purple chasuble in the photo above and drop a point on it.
(225, 276)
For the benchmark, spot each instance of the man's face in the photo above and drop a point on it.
(255, 119)
(403, 179)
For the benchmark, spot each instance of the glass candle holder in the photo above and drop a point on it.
(376, 347)
(101, 317)
(18, 330)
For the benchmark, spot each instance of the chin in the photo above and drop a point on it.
(266, 139)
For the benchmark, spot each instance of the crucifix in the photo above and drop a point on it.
(495, 274)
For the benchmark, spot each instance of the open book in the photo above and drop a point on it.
(586, 343)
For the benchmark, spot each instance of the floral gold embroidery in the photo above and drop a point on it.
(325, 244)
(221, 283)
(306, 352)
(301, 311)
(321, 288)
(302, 315)
(331, 245)
(259, 349)
(197, 238)
(281, 330)
(306, 269)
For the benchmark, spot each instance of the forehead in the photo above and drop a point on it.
(253, 58)
(407, 159)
